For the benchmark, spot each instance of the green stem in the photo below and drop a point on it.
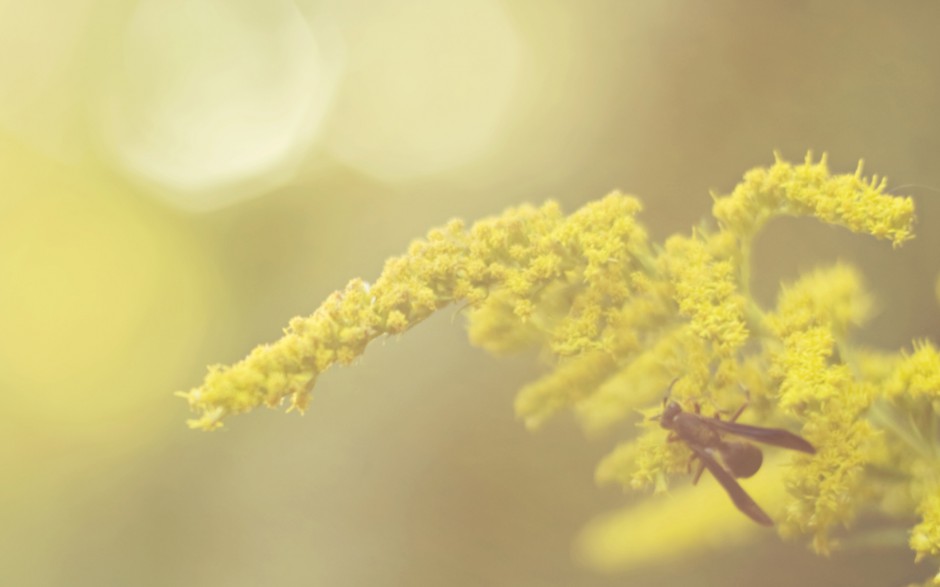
(881, 415)
(753, 313)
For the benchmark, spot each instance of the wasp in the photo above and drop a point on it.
(705, 438)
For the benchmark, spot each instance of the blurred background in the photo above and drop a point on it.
(180, 178)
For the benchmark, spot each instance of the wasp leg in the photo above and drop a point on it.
(698, 473)
(747, 401)
(698, 469)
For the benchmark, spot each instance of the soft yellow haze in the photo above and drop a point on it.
(98, 293)
(179, 179)
(419, 71)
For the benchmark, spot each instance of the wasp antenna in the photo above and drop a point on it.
(669, 389)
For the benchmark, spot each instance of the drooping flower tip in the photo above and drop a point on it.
(809, 189)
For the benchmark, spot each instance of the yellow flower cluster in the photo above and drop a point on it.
(624, 317)
(811, 317)
(531, 266)
(925, 538)
(810, 190)
(908, 411)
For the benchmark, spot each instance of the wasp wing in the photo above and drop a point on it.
(740, 498)
(773, 436)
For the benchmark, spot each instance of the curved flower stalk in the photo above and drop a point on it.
(623, 317)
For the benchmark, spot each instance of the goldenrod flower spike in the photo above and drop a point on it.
(809, 190)
(574, 378)
(925, 537)
(705, 288)
(622, 317)
(917, 374)
(528, 255)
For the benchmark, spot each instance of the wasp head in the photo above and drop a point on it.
(671, 411)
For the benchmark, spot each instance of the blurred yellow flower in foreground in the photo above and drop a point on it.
(82, 270)
(623, 317)
(691, 519)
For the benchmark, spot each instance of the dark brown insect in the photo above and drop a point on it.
(704, 437)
